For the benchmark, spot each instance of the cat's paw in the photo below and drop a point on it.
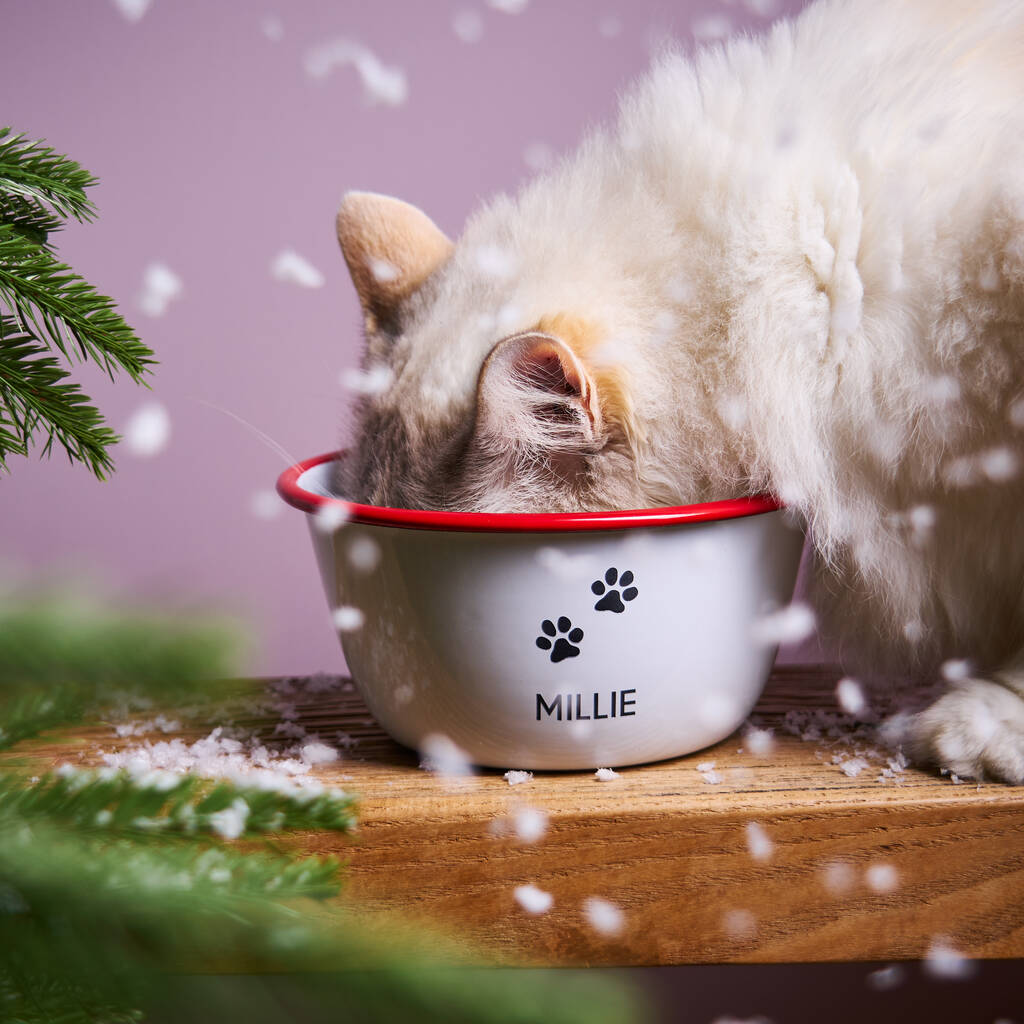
(561, 647)
(618, 589)
(975, 731)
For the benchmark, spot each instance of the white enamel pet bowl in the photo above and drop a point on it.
(552, 641)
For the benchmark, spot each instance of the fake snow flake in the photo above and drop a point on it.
(532, 899)
(160, 285)
(272, 27)
(764, 8)
(850, 696)
(609, 26)
(788, 625)
(381, 84)
(529, 824)
(710, 26)
(732, 409)
(230, 822)
(717, 711)
(508, 6)
(565, 566)
(441, 756)
(712, 778)
(606, 774)
(347, 619)
(374, 380)
(290, 267)
(538, 156)
(517, 778)
(265, 505)
(885, 978)
(383, 271)
(331, 515)
(132, 10)
(882, 878)
(759, 845)
(999, 464)
(739, 924)
(318, 753)
(759, 742)
(941, 390)
(602, 916)
(364, 554)
(838, 877)
(468, 25)
(921, 519)
(955, 670)
(495, 261)
(706, 766)
(1015, 413)
(148, 430)
(852, 766)
(943, 961)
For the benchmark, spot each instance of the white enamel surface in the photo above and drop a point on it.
(452, 619)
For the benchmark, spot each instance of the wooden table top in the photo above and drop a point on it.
(802, 842)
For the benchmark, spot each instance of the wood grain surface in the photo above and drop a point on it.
(774, 856)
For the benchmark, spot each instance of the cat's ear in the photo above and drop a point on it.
(391, 248)
(535, 390)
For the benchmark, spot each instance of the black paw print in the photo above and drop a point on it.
(564, 648)
(612, 602)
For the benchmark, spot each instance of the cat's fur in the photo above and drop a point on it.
(796, 265)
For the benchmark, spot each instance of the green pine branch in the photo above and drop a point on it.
(34, 395)
(61, 660)
(164, 803)
(65, 309)
(35, 172)
(45, 305)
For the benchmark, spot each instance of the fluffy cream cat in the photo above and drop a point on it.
(796, 264)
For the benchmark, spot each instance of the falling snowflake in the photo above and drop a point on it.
(468, 25)
(348, 619)
(610, 26)
(509, 6)
(850, 696)
(381, 84)
(758, 843)
(495, 261)
(374, 380)
(532, 899)
(529, 824)
(788, 625)
(538, 156)
(882, 878)
(290, 267)
(160, 285)
(148, 430)
(364, 554)
(943, 961)
(739, 924)
(441, 756)
(265, 505)
(955, 670)
(330, 515)
(272, 27)
(602, 916)
(132, 10)
(710, 26)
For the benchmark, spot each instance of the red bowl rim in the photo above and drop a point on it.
(513, 522)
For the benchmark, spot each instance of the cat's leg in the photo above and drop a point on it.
(975, 729)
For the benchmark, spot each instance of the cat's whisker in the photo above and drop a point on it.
(289, 459)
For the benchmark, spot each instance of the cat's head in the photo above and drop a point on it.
(493, 377)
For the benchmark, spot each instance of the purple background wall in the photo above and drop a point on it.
(216, 150)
